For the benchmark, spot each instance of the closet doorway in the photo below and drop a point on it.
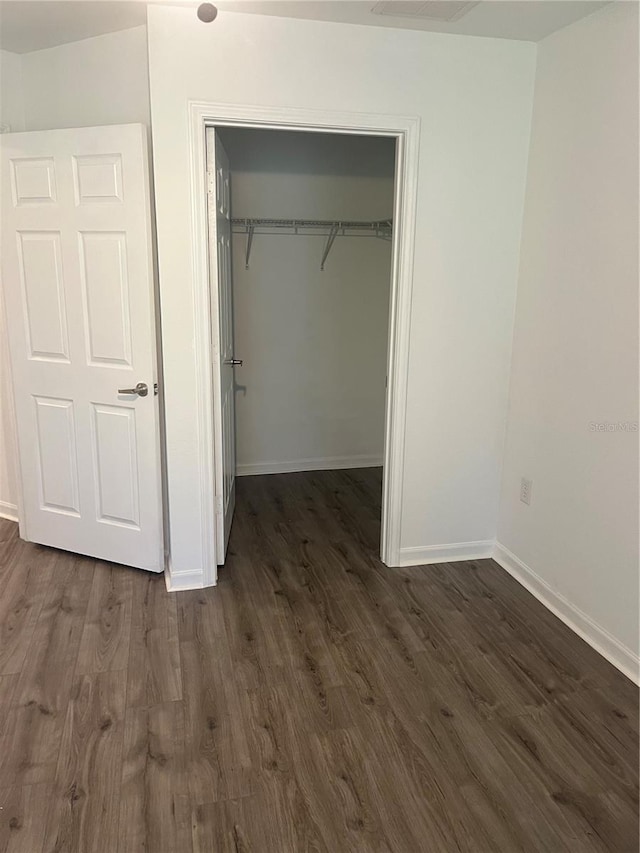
(308, 267)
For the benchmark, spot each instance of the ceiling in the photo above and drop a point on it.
(28, 25)
(528, 20)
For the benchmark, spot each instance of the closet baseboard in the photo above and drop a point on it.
(426, 554)
(325, 463)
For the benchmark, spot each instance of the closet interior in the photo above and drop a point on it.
(311, 249)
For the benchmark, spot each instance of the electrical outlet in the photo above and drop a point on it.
(525, 490)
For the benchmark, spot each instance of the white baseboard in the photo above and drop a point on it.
(426, 554)
(8, 511)
(323, 463)
(595, 635)
(180, 581)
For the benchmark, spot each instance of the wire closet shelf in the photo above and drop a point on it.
(330, 228)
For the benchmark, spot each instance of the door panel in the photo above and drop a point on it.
(33, 181)
(219, 203)
(105, 291)
(58, 455)
(45, 316)
(98, 178)
(78, 288)
(116, 465)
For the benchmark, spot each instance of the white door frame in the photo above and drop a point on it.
(406, 131)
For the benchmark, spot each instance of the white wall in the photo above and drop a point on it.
(12, 114)
(102, 80)
(575, 355)
(11, 95)
(312, 388)
(474, 98)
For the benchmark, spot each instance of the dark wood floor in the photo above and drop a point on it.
(314, 701)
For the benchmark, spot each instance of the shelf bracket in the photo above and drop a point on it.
(250, 230)
(333, 233)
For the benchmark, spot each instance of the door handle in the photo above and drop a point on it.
(233, 361)
(141, 390)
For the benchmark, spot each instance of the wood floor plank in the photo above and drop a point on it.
(273, 820)
(107, 630)
(48, 672)
(23, 816)
(255, 629)
(85, 810)
(407, 802)
(30, 737)
(154, 654)
(503, 809)
(25, 583)
(305, 802)
(609, 724)
(31, 730)
(200, 616)
(8, 684)
(155, 812)
(218, 826)
(548, 752)
(217, 758)
(399, 729)
(356, 803)
(9, 543)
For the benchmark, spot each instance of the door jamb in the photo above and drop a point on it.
(406, 131)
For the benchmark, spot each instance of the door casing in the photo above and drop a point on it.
(406, 131)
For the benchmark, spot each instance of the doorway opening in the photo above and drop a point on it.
(209, 266)
(300, 234)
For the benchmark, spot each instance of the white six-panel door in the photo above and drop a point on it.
(78, 288)
(219, 213)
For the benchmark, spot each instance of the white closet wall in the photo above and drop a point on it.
(314, 343)
(11, 94)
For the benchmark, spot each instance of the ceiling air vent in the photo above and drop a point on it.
(431, 10)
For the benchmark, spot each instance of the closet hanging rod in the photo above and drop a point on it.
(332, 228)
